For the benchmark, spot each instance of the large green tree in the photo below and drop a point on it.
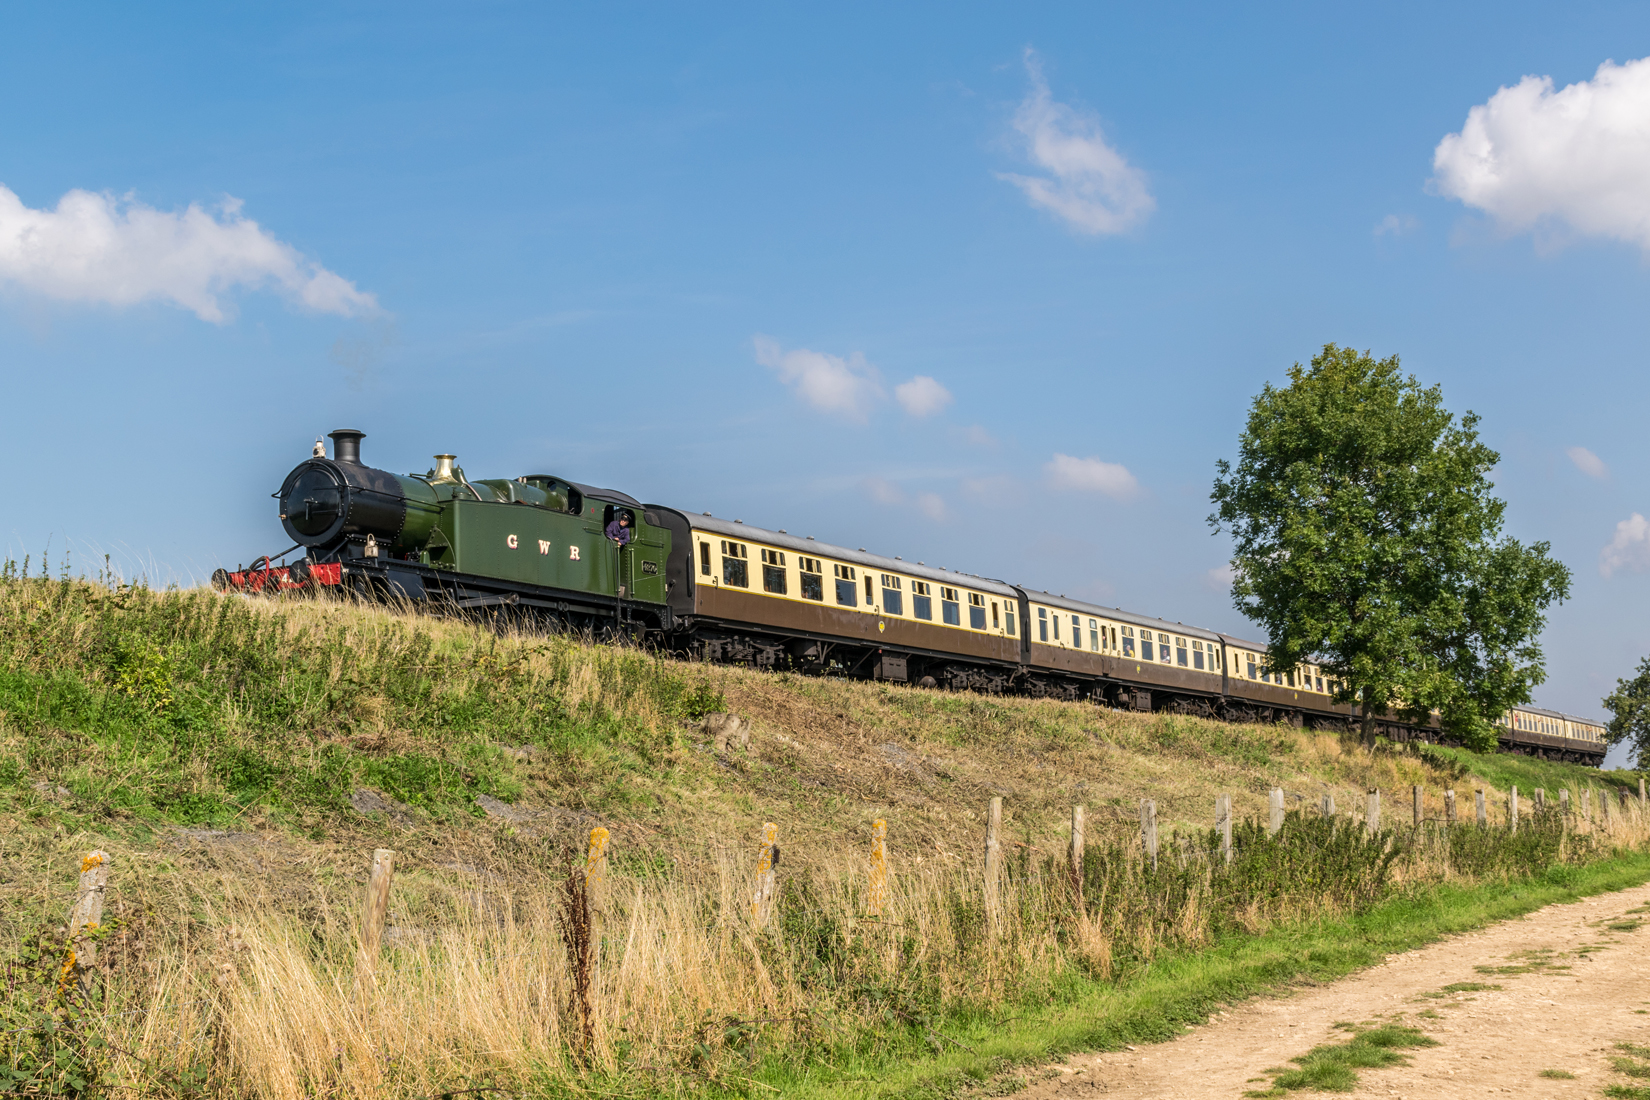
(1368, 539)
(1629, 707)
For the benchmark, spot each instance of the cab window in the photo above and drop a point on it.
(950, 609)
(847, 592)
(773, 572)
(813, 580)
(976, 611)
(922, 603)
(735, 564)
(893, 598)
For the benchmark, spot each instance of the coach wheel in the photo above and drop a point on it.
(928, 682)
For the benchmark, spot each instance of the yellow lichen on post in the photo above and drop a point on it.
(876, 899)
(595, 872)
(762, 897)
(85, 916)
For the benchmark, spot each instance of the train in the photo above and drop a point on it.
(549, 553)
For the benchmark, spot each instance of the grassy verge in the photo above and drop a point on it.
(1183, 989)
(1503, 770)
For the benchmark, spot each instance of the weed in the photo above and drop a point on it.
(1557, 1075)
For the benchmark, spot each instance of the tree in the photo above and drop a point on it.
(1629, 706)
(1367, 538)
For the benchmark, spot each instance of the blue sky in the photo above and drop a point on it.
(986, 287)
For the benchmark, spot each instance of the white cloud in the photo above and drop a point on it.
(1577, 158)
(1090, 184)
(975, 435)
(882, 490)
(1629, 550)
(829, 383)
(1220, 578)
(932, 506)
(922, 396)
(1090, 475)
(99, 248)
(1588, 462)
(1396, 225)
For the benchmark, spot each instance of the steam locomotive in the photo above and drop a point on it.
(541, 551)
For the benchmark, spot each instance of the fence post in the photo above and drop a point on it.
(373, 909)
(1587, 803)
(1483, 811)
(1275, 804)
(1223, 825)
(877, 898)
(1449, 807)
(1564, 801)
(1415, 796)
(1077, 840)
(1512, 808)
(1329, 805)
(993, 860)
(1372, 819)
(1539, 797)
(1604, 805)
(1148, 828)
(86, 915)
(762, 896)
(1641, 790)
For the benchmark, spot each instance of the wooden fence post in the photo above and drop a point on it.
(86, 916)
(1587, 803)
(1274, 820)
(993, 861)
(1604, 805)
(1328, 805)
(1148, 829)
(374, 906)
(1223, 825)
(877, 898)
(1512, 808)
(1372, 819)
(762, 896)
(1077, 840)
(1483, 810)
(1449, 807)
(1641, 790)
(1564, 801)
(1420, 813)
(1539, 797)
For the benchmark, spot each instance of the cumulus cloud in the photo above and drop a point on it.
(975, 435)
(1588, 462)
(1221, 577)
(1090, 475)
(829, 383)
(1089, 184)
(117, 251)
(1629, 550)
(1576, 159)
(930, 505)
(922, 396)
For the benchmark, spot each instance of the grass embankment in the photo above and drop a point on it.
(223, 752)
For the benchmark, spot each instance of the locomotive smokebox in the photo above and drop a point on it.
(346, 445)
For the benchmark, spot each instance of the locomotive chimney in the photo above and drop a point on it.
(444, 468)
(346, 445)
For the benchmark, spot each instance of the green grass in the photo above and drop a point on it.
(1502, 770)
(1175, 992)
(1557, 1075)
(1333, 1067)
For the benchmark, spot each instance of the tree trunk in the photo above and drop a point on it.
(1369, 718)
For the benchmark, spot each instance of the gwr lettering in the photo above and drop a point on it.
(572, 553)
(544, 546)
(510, 541)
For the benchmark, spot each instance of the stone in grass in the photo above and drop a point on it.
(503, 811)
(727, 732)
(365, 800)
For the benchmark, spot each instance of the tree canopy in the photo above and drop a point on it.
(1629, 707)
(1367, 538)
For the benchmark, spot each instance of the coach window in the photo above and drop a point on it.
(773, 572)
(1094, 636)
(1180, 652)
(813, 580)
(1057, 629)
(922, 603)
(735, 567)
(950, 610)
(1251, 662)
(1042, 624)
(994, 620)
(870, 593)
(1077, 632)
(847, 593)
(1197, 653)
(1113, 637)
(893, 599)
(1008, 619)
(976, 611)
(704, 558)
(1128, 641)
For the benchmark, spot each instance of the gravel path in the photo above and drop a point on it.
(1571, 988)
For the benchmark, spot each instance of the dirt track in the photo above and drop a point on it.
(1578, 988)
